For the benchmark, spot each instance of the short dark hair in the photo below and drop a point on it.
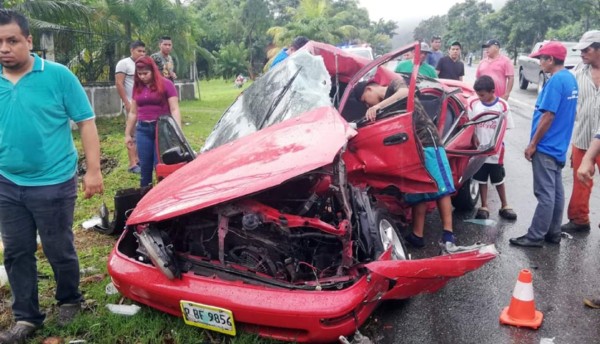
(164, 38)
(359, 89)
(10, 16)
(299, 42)
(484, 83)
(136, 44)
(435, 38)
(595, 45)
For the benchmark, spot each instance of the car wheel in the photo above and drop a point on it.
(389, 237)
(541, 82)
(467, 196)
(523, 83)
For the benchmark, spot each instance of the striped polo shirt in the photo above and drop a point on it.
(588, 108)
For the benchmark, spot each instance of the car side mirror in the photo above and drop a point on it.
(176, 155)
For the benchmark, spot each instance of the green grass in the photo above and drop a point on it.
(96, 324)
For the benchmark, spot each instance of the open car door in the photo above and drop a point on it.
(172, 148)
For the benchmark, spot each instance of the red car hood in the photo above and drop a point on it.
(253, 163)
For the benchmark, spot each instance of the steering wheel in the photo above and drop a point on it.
(383, 113)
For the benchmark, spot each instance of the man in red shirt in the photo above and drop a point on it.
(498, 67)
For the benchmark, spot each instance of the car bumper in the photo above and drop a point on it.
(292, 315)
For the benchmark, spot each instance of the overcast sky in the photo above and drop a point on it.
(402, 10)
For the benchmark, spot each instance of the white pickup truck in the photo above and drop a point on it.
(529, 68)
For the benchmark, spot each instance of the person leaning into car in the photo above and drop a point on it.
(377, 97)
(588, 118)
(551, 129)
(38, 181)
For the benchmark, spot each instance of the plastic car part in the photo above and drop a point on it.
(152, 245)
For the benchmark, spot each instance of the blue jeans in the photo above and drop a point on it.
(145, 138)
(548, 189)
(47, 210)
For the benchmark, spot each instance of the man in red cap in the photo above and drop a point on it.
(588, 120)
(551, 128)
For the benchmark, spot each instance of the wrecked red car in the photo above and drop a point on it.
(287, 223)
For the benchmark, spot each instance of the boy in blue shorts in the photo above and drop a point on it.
(378, 97)
(493, 168)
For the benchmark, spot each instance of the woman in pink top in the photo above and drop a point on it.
(153, 96)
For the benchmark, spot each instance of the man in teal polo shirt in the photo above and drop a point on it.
(38, 183)
(425, 68)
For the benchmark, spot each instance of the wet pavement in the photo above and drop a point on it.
(467, 310)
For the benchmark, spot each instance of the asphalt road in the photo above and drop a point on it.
(467, 310)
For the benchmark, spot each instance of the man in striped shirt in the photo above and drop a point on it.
(588, 120)
(585, 175)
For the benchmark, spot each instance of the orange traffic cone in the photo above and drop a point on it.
(521, 311)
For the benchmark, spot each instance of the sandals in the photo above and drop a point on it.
(482, 213)
(507, 213)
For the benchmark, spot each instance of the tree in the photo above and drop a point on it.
(465, 24)
(433, 26)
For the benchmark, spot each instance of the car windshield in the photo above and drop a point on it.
(297, 85)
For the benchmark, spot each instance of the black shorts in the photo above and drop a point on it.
(495, 173)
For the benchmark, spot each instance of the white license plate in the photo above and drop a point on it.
(208, 317)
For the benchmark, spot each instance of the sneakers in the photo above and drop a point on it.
(135, 169)
(67, 312)
(414, 240)
(592, 302)
(574, 227)
(19, 333)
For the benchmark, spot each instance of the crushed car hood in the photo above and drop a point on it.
(250, 164)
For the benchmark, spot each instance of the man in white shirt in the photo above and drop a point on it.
(124, 75)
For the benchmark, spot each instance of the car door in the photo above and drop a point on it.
(386, 152)
(172, 148)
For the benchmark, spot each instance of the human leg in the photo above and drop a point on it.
(481, 177)
(145, 133)
(545, 170)
(52, 208)
(579, 205)
(554, 229)
(19, 239)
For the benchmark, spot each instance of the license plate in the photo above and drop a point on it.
(208, 317)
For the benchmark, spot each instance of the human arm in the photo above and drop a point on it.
(543, 126)
(92, 180)
(174, 110)
(130, 124)
(510, 80)
(586, 170)
(401, 92)
(120, 84)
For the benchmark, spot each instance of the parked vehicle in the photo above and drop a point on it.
(362, 50)
(530, 71)
(286, 223)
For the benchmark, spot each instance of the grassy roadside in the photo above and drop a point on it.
(97, 324)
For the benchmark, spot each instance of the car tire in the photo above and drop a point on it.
(467, 196)
(523, 83)
(541, 82)
(388, 235)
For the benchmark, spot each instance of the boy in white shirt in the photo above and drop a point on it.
(493, 168)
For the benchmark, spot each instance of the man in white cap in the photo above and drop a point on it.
(588, 120)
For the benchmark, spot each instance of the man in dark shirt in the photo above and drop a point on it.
(377, 97)
(451, 67)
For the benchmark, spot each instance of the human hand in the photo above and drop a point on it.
(372, 113)
(173, 76)
(127, 107)
(92, 183)
(530, 151)
(129, 142)
(585, 172)
(505, 96)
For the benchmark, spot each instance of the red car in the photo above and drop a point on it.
(287, 224)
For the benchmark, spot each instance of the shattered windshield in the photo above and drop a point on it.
(298, 84)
